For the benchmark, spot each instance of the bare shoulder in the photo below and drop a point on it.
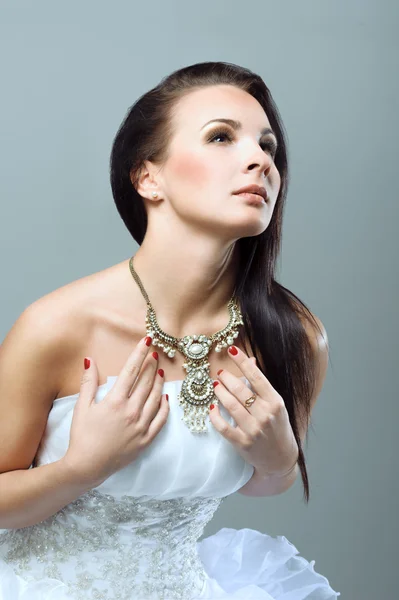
(313, 327)
(43, 328)
(318, 339)
(35, 360)
(71, 311)
(63, 315)
(43, 338)
(97, 319)
(53, 329)
(32, 359)
(317, 336)
(317, 333)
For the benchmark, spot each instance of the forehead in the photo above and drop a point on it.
(218, 101)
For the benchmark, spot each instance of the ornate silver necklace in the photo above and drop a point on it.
(197, 391)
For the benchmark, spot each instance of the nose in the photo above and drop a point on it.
(259, 160)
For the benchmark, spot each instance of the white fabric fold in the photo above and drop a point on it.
(139, 529)
(176, 463)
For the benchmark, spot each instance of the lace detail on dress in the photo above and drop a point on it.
(104, 549)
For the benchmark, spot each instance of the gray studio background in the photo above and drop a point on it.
(69, 72)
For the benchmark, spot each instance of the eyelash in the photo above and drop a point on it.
(267, 145)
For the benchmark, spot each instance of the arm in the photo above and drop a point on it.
(32, 358)
(271, 486)
(268, 486)
(28, 496)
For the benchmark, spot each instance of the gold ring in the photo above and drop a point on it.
(249, 401)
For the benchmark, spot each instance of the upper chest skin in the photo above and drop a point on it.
(107, 329)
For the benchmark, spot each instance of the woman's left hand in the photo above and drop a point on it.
(263, 435)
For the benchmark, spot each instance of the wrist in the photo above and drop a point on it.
(287, 473)
(74, 476)
(279, 474)
(269, 485)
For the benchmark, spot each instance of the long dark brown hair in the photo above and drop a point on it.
(273, 315)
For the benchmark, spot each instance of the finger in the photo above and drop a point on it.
(88, 383)
(160, 418)
(143, 386)
(148, 367)
(131, 368)
(259, 383)
(234, 392)
(233, 401)
(152, 403)
(220, 424)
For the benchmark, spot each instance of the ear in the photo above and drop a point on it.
(147, 181)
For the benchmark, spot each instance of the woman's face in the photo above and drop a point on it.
(208, 162)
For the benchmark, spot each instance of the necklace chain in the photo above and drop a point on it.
(197, 391)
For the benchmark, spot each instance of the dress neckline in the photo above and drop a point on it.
(173, 381)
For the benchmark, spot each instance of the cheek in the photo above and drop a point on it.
(190, 168)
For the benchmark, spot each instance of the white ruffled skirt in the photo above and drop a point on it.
(251, 565)
(243, 563)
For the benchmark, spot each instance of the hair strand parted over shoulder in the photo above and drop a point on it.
(273, 315)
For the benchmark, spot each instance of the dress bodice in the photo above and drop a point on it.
(136, 536)
(176, 463)
(125, 538)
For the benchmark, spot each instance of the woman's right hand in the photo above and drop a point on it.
(108, 435)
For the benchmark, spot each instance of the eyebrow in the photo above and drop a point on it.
(237, 125)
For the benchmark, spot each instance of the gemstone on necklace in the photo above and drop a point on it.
(196, 349)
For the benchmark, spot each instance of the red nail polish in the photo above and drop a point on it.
(233, 350)
(155, 355)
(167, 397)
(148, 340)
(160, 372)
(220, 371)
(215, 383)
(211, 407)
(87, 363)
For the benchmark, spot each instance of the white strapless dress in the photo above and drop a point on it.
(135, 536)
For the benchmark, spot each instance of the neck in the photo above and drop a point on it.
(189, 280)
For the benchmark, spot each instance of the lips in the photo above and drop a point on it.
(253, 189)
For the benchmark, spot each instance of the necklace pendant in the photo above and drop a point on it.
(197, 388)
(196, 394)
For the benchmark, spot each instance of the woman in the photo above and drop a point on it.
(128, 470)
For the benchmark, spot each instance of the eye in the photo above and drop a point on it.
(219, 134)
(268, 145)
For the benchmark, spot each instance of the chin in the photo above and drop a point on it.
(248, 229)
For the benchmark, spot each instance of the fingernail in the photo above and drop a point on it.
(215, 383)
(155, 355)
(87, 363)
(233, 350)
(160, 372)
(211, 407)
(220, 371)
(167, 397)
(148, 340)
